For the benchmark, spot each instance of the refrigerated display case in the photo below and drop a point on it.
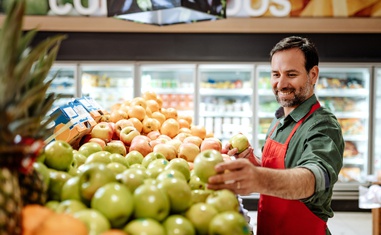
(107, 84)
(65, 82)
(226, 99)
(376, 171)
(173, 83)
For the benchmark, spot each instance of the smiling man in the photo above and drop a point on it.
(302, 155)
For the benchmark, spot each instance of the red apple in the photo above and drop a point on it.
(122, 123)
(182, 135)
(153, 143)
(99, 141)
(141, 145)
(193, 139)
(211, 143)
(153, 135)
(102, 130)
(127, 134)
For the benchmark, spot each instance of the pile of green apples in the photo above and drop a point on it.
(138, 194)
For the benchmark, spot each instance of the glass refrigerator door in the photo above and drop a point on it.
(107, 84)
(173, 83)
(345, 91)
(377, 126)
(64, 82)
(226, 98)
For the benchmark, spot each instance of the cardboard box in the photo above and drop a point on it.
(92, 107)
(73, 123)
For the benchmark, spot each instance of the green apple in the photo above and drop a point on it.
(134, 157)
(223, 200)
(204, 163)
(178, 192)
(229, 222)
(201, 214)
(52, 204)
(56, 180)
(200, 195)
(44, 171)
(181, 165)
(116, 157)
(71, 189)
(138, 166)
(116, 167)
(178, 225)
(79, 157)
(132, 178)
(151, 202)
(170, 173)
(73, 168)
(92, 178)
(89, 148)
(150, 157)
(144, 226)
(114, 200)
(116, 146)
(240, 142)
(70, 206)
(196, 183)
(95, 221)
(156, 166)
(58, 155)
(101, 157)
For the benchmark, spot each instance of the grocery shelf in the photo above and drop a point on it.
(226, 92)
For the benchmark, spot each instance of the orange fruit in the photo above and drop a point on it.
(153, 105)
(171, 113)
(117, 115)
(187, 117)
(61, 224)
(184, 130)
(159, 116)
(149, 95)
(137, 123)
(137, 111)
(115, 106)
(170, 127)
(139, 101)
(159, 100)
(150, 124)
(183, 123)
(32, 216)
(148, 112)
(198, 130)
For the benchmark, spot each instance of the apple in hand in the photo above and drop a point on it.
(144, 226)
(229, 222)
(127, 134)
(58, 155)
(90, 147)
(178, 192)
(95, 221)
(102, 130)
(211, 143)
(181, 165)
(70, 206)
(201, 214)
(223, 200)
(188, 151)
(205, 162)
(132, 178)
(114, 200)
(116, 146)
(92, 177)
(240, 142)
(150, 202)
(178, 224)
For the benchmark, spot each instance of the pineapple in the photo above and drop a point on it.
(24, 105)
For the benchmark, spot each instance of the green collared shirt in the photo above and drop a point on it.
(317, 145)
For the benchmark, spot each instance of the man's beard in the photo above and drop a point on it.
(299, 96)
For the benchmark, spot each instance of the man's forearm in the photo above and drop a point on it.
(293, 184)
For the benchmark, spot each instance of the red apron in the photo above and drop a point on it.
(281, 216)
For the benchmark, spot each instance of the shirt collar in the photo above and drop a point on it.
(300, 111)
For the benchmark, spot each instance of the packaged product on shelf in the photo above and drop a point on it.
(92, 107)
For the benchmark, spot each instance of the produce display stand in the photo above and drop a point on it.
(376, 221)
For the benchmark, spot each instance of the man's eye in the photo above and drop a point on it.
(292, 75)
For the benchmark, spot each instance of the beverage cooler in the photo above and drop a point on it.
(226, 99)
(377, 125)
(173, 83)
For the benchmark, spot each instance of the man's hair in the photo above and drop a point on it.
(305, 45)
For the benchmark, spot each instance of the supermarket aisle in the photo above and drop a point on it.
(343, 223)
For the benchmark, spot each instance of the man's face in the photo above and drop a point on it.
(290, 81)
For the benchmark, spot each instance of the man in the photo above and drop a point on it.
(303, 153)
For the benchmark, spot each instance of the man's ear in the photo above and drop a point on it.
(314, 74)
